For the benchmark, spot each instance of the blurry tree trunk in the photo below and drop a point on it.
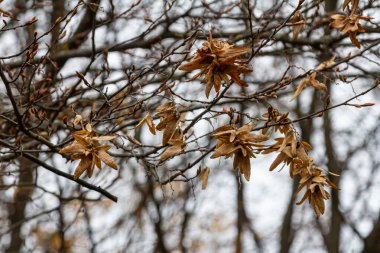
(157, 221)
(287, 233)
(332, 163)
(16, 210)
(372, 241)
(185, 222)
(24, 190)
(243, 221)
(332, 236)
(240, 215)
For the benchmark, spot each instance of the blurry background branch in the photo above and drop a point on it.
(94, 69)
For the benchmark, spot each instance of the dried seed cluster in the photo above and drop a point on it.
(239, 143)
(294, 153)
(349, 23)
(218, 60)
(87, 148)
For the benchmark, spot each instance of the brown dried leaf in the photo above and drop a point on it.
(298, 22)
(246, 167)
(299, 89)
(349, 24)
(149, 121)
(362, 105)
(83, 165)
(8, 14)
(203, 177)
(279, 159)
(354, 5)
(309, 80)
(224, 149)
(73, 148)
(326, 64)
(177, 147)
(104, 138)
(90, 169)
(169, 120)
(98, 162)
(169, 131)
(354, 40)
(107, 159)
(171, 152)
(78, 119)
(89, 127)
(316, 84)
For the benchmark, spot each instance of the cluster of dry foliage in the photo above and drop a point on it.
(77, 80)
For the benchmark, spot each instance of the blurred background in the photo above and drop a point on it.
(128, 54)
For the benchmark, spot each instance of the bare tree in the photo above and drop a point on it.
(161, 126)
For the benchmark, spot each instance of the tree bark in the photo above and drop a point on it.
(16, 210)
(372, 241)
